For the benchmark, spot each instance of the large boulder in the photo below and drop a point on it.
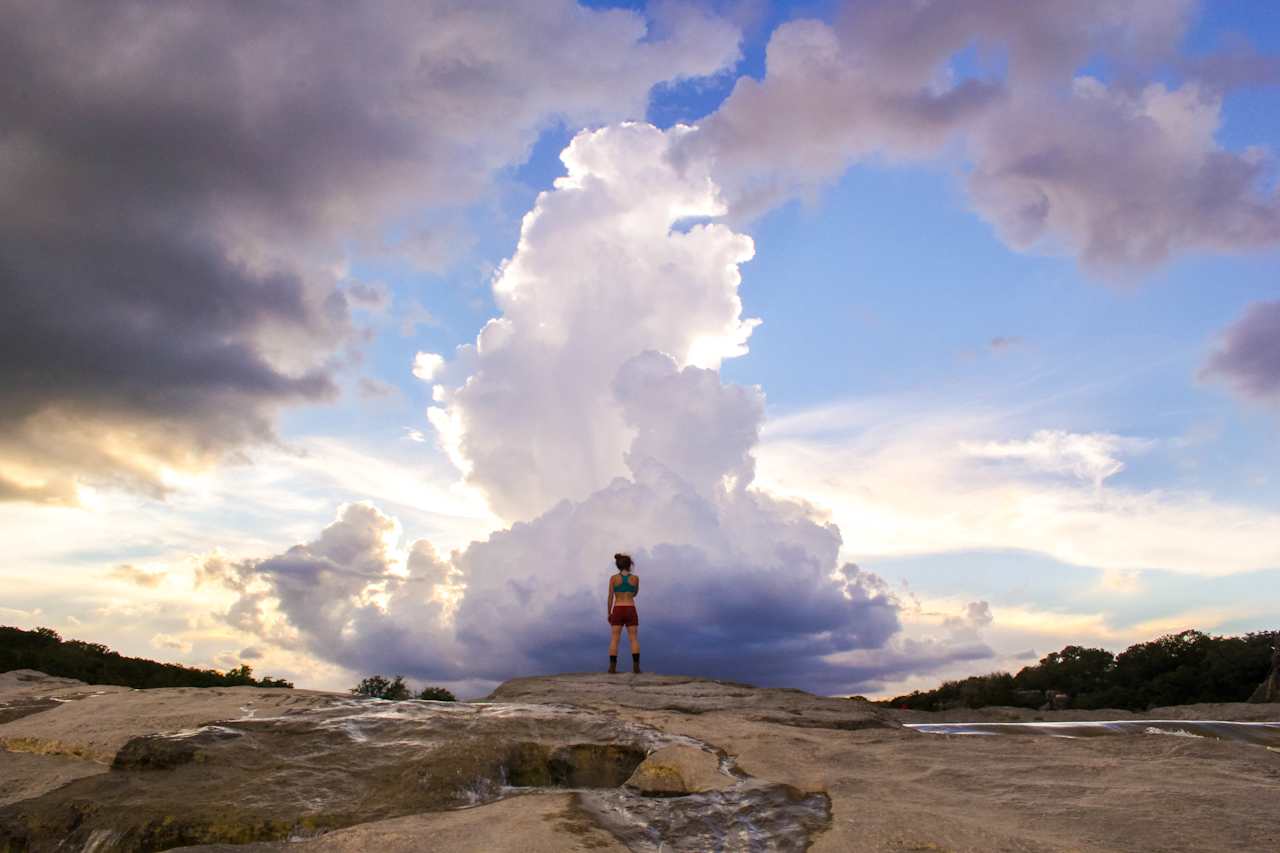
(678, 770)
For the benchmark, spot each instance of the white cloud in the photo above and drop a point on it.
(427, 365)
(902, 478)
(1092, 457)
(599, 276)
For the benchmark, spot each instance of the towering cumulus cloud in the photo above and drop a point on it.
(599, 277)
(593, 408)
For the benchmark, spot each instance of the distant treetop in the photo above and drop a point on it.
(44, 649)
(1176, 669)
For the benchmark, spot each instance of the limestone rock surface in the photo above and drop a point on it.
(312, 768)
(541, 766)
(24, 775)
(94, 721)
(678, 770)
(530, 823)
(695, 696)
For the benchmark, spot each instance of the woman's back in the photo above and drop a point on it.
(625, 586)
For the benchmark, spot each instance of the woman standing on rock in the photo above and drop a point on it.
(621, 610)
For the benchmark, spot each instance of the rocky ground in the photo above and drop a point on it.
(599, 762)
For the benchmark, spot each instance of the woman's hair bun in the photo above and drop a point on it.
(622, 560)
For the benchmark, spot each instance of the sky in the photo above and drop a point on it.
(895, 342)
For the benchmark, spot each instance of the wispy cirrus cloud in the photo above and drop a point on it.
(1092, 457)
(911, 477)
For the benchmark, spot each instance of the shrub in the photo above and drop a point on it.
(381, 687)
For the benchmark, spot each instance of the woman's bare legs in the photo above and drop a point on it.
(633, 634)
(617, 635)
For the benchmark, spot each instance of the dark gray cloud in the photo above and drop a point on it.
(371, 296)
(371, 389)
(1235, 63)
(1122, 174)
(765, 608)
(174, 179)
(1248, 356)
(876, 82)
(1124, 180)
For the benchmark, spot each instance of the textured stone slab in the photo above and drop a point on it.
(98, 721)
(695, 696)
(677, 770)
(533, 823)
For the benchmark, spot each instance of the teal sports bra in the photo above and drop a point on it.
(627, 585)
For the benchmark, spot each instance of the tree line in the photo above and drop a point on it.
(44, 649)
(1176, 669)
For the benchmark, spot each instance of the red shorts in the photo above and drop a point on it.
(624, 614)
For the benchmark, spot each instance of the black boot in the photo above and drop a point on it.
(613, 663)
(635, 662)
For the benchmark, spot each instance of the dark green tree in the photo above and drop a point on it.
(243, 674)
(437, 694)
(1175, 669)
(381, 687)
(1075, 671)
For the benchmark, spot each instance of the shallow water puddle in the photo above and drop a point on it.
(754, 815)
(1261, 734)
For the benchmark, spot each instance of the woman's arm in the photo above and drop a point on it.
(635, 586)
(608, 606)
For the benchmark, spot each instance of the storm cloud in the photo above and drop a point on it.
(532, 597)
(175, 179)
